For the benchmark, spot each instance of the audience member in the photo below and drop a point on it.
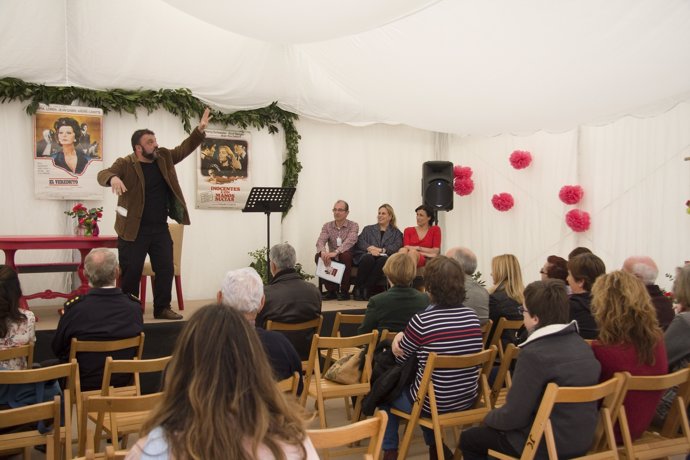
(583, 270)
(555, 268)
(393, 308)
(645, 269)
(555, 353)
(577, 251)
(16, 325)
(105, 313)
(374, 245)
(220, 400)
(243, 290)
(289, 299)
(447, 328)
(335, 242)
(422, 242)
(629, 340)
(476, 296)
(506, 295)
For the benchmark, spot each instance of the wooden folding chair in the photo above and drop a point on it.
(21, 351)
(123, 414)
(69, 373)
(27, 438)
(289, 385)
(372, 429)
(314, 324)
(125, 423)
(322, 389)
(604, 444)
(503, 325)
(439, 422)
(674, 437)
(486, 329)
(503, 380)
(340, 319)
(110, 454)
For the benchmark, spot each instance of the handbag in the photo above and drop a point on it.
(347, 370)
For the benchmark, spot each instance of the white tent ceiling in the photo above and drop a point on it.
(467, 67)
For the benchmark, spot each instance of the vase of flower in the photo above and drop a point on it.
(86, 220)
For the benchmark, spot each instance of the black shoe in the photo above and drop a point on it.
(447, 453)
(358, 293)
(343, 296)
(365, 293)
(329, 295)
(167, 314)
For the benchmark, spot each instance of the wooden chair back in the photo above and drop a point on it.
(289, 385)
(21, 351)
(604, 440)
(315, 324)
(372, 429)
(344, 318)
(136, 367)
(674, 437)
(482, 360)
(122, 414)
(503, 380)
(69, 373)
(486, 328)
(106, 346)
(503, 325)
(322, 389)
(27, 438)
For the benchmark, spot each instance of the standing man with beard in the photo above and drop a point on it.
(148, 193)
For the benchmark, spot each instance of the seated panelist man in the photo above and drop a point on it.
(105, 313)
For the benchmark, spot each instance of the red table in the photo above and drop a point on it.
(11, 244)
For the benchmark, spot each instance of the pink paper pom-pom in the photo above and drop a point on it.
(503, 201)
(520, 159)
(462, 172)
(463, 186)
(577, 220)
(571, 194)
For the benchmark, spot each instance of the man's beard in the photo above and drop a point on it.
(150, 156)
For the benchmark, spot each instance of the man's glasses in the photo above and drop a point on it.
(339, 210)
(523, 310)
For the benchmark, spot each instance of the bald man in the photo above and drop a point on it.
(476, 297)
(644, 268)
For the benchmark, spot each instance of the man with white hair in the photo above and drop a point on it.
(243, 290)
(476, 296)
(644, 268)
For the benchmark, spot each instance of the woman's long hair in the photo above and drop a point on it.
(10, 293)
(508, 276)
(624, 313)
(220, 398)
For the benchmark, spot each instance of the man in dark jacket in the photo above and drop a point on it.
(554, 352)
(105, 313)
(290, 299)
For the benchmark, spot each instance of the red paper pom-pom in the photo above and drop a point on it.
(577, 220)
(571, 194)
(463, 186)
(462, 172)
(503, 201)
(520, 159)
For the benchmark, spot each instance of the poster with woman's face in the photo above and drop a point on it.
(68, 152)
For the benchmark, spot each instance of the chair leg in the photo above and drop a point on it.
(142, 293)
(322, 410)
(178, 291)
(407, 439)
(347, 408)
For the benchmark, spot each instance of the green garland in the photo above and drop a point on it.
(179, 102)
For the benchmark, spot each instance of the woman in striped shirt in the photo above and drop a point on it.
(447, 328)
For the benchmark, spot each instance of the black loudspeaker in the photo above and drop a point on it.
(437, 185)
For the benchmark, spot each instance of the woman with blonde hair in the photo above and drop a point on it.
(630, 339)
(220, 399)
(506, 295)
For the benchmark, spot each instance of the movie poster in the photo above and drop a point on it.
(223, 173)
(68, 152)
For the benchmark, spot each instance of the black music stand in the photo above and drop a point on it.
(268, 200)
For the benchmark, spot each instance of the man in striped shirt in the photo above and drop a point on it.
(447, 328)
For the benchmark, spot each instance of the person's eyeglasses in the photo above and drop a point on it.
(522, 310)
(339, 210)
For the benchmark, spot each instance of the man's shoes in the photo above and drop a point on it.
(447, 453)
(329, 295)
(358, 293)
(391, 454)
(167, 314)
(343, 296)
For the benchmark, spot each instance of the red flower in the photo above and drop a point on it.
(577, 220)
(81, 221)
(503, 201)
(462, 172)
(463, 186)
(520, 159)
(571, 194)
(99, 214)
(668, 294)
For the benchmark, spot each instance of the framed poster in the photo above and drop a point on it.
(223, 172)
(68, 152)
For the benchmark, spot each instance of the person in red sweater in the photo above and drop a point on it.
(630, 339)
